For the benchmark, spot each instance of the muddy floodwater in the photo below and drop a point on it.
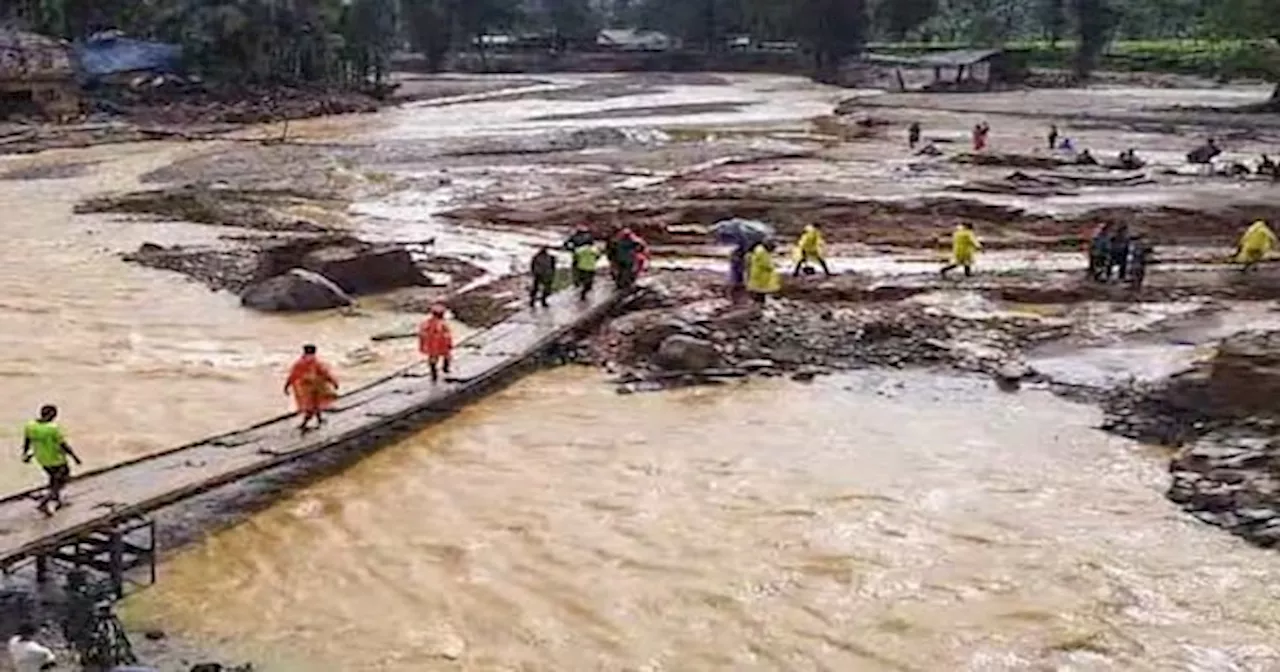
(138, 360)
(866, 522)
(871, 521)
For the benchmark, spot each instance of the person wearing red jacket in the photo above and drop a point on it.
(435, 340)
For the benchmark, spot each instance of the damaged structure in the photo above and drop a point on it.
(37, 76)
(960, 70)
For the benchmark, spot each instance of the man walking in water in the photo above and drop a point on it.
(313, 387)
(43, 439)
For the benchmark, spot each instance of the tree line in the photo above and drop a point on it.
(353, 40)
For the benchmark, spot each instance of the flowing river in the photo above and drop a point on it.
(868, 522)
(904, 521)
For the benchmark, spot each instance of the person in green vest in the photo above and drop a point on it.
(585, 260)
(43, 440)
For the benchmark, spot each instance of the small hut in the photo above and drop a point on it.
(973, 68)
(37, 76)
(961, 70)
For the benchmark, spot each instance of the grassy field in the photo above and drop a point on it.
(1224, 59)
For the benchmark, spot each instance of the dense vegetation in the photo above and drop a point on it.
(352, 40)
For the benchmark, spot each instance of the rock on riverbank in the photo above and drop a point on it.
(1224, 414)
(292, 273)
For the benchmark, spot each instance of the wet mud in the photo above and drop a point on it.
(261, 210)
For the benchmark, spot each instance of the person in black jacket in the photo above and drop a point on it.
(543, 272)
(1120, 242)
(1140, 253)
(623, 251)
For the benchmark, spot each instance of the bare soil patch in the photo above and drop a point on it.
(259, 209)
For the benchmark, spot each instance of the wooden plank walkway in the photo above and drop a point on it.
(107, 496)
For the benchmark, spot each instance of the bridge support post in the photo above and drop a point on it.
(116, 562)
(110, 553)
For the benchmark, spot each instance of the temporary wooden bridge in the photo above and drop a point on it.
(107, 529)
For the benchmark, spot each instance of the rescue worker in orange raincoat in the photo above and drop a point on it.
(313, 387)
(435, 340)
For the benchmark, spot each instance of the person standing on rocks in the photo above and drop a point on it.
(1140, 253)
(810, 247)
(585, 260)
(913, 135)
(1053, 137)
(1098, 248)
(964, 250)
(42, 439)
(313, 387)
(1258, 240)
(435, 341)
(738, 270)
(1118, 264)
(762, 274)
(542, 270)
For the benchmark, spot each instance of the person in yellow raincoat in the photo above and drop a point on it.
(964, 249)
(810, 247)
(1256, 242)
(762, 275)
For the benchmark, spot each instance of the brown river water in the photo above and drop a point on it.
(137, 359)
(866, 522)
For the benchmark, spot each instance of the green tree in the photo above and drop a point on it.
(832, 30)
(430, 31)
(435, 27)
(1252, 19)
(369, 35)
(1052, 17)
(1095, 21)
(896, 18)
(573, 21)
(704, 23)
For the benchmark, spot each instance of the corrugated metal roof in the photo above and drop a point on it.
(960, 57)
(112, 54)
(946, 59)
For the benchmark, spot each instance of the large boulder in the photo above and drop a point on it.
(1241, 380)
(650, 335)
(352, 264)
(680, 352)
(367, 270)
(298, 290)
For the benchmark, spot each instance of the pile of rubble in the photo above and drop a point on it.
(187, 106)
(698, 338)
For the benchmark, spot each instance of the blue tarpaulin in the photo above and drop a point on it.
(100, 56)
